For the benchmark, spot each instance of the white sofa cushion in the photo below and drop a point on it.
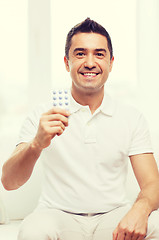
(3, 212)
(9, 231)
(19, 203)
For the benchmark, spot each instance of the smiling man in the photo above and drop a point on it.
(86, 152)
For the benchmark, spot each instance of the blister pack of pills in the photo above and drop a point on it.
(61, 98)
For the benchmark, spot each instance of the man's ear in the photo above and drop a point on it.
(111, 64)
(66, 64)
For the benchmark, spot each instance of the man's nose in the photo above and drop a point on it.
(90, 62)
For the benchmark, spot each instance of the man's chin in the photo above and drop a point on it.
(90, 88)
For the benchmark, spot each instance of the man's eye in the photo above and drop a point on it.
(100, 54)
(80, 54)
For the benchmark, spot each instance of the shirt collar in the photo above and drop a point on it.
(74, 106)
(107, 106)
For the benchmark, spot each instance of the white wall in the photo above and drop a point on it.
(148, 73)
(39, 51)
(13, 63)
(148, 52)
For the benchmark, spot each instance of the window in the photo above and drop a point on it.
(13, 62)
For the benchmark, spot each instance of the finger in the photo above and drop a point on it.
(128, 236)
(115, 235)
(141, 237)
(138, 236)
(122, 236)
(56, 124)
(54, 117)
(57, 130)
(135, 237)
(58, 117)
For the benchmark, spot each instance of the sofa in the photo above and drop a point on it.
(17, 204)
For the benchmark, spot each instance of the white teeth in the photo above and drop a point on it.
(89, 74)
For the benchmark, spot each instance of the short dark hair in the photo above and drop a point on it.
(87, 26)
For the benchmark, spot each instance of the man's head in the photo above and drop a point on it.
(89, 57)
(87, 26)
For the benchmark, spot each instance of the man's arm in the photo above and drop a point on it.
(134, 224)
(18, 168)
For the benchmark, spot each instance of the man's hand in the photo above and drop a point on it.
(132, 227)
(51, 123)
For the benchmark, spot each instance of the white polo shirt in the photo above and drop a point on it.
(85, 168)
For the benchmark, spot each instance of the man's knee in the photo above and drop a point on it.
(32, 235)
(36, 227)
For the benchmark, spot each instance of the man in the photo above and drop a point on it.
(86, 152)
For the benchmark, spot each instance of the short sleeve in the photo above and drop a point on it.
(28, 130)
(140, 137)
(30, 125)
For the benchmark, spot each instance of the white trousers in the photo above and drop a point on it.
(51, 224)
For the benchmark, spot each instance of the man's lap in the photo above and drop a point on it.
(55, 224)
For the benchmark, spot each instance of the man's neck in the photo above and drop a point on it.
(92, 99)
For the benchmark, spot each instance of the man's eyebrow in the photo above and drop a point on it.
(100, 50)
(78, 49)
(84, 49)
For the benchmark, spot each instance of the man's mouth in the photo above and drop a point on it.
(89, 74)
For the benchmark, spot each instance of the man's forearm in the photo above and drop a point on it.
(18, 168)
(148, 198)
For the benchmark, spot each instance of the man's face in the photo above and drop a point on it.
(89, 62)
